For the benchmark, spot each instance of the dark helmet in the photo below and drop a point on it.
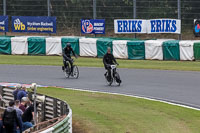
(68, 44)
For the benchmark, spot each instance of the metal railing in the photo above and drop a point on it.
(55, 115)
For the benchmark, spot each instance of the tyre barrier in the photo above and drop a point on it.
(160, 49)
(54, 115)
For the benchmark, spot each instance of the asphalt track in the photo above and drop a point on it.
(182, 87)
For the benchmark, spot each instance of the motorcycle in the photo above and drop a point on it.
(115, 78)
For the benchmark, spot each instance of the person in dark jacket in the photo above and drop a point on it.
(22, 93)
(19, 115)
(23, 103)
(10, 119)
(108, 60)
(1, 124)
(28, 116)
(67, 51)
(18, 88)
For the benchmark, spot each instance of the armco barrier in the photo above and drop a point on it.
(55, 115)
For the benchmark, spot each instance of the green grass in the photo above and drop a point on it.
(104, 113)
(97, 62)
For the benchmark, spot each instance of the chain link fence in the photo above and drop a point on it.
(70, 12)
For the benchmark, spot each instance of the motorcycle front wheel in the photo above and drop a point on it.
(75, 72)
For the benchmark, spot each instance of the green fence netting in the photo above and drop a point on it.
(136, 50)
(36, 46)
(196, 51)
(5, 45)
(74, 44)
(102, 45)
(171, 50)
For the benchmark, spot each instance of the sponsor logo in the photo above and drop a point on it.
(18, 25)
(2, 23)
(147, 26)
(129, 26)
(87, 27)
(163, 25)
(197, 28)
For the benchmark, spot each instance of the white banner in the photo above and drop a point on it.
(164, 26)
(127, 26)
(130, 26)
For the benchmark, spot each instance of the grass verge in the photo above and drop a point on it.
(97, 62)
(104, 113)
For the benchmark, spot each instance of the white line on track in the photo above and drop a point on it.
(140, 97)
(176, 103)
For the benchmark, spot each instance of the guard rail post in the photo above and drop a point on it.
(67, 109)
(64, 108)
(43, 110)
(61, 108)
(55, 108)
(1, 93)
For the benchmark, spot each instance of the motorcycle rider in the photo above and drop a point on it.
(108, 60)
(67, 56)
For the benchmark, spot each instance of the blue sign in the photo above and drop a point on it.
(93, 26)
(3, 23)
(34, 24)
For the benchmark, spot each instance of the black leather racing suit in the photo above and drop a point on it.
(67, 56)
(108, 60)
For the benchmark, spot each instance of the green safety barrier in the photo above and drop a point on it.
(65, 128)
(136, 50)
(36, 46)
(74, 44)
(5, 45)
(196, 48)
(62, 126)
(171, 50)
(102, 45)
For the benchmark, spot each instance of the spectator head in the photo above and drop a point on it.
(24, 88)
(108, 50)
(11, 103)
(18, 86)
(25, 99)
(17, 102)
